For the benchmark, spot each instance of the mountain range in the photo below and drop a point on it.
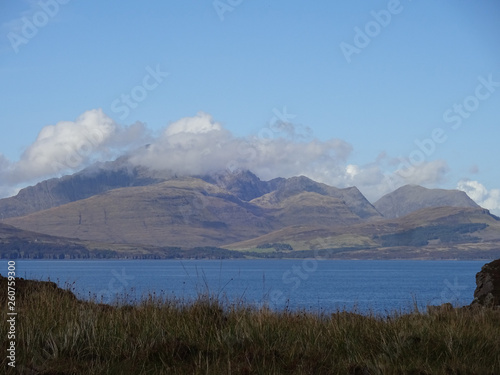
(125, 210)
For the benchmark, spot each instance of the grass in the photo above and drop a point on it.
(58, 334)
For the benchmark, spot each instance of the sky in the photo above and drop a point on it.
(373, 94)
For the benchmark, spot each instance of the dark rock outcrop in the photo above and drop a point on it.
(243, 184)
(487, 291)
(23, 287)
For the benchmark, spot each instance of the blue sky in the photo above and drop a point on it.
(241, 62)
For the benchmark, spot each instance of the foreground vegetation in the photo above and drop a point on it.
(58, 334)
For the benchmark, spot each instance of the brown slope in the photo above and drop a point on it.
(369, 234)
(190, 212)
(411, 198)
(351, 197)
(91, 181)
(15, 242)
(444, 215)
(307, 208)
(9, 233)
(178, 212)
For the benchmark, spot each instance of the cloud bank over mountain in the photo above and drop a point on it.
(489, 199)
(70, 145)
(199, 145)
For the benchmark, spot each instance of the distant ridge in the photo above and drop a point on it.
(351, 196)
(189, 211)
(96, 179)
(117, 208)
(411, 198)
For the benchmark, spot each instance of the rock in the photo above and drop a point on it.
(487, 291)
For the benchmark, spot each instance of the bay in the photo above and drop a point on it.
(380, 287)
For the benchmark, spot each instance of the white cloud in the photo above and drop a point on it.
(386, 174)
(4, 162)
(489, 199)
(128, 137)
(71, 145)
(424, 173)
(352, 170)
(65, 145)
(474, 190)
(192, 145)
(197, 145)
(6, 189)
(371, 180)
(200, 145)
(200, 124)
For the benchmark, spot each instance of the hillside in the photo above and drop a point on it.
(410, 198)
(184, 212)
(15, 242)
(351, 197)
(103, 177)
(118, 209)
(437, 232)
(96, 179)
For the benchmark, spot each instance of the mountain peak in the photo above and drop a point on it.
(410, 198)
(243, 184)
(95, 179)
(351, 197)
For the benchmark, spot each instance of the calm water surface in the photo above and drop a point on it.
(326, 285)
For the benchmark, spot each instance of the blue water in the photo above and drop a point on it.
(323, 286)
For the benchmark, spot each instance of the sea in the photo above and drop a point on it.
(379, 287)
